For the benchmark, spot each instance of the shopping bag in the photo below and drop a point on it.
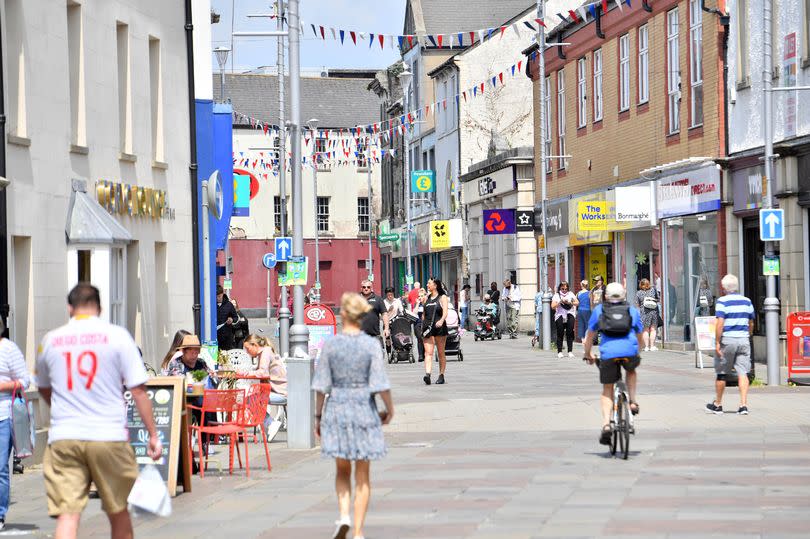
(150, 494)
(23, 426)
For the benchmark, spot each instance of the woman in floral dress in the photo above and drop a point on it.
(351, 371)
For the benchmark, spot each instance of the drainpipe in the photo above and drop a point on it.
(4, 307)
(724, 22)
(192, 167)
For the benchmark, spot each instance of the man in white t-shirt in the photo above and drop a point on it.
(511, 297)
(82, 371)
(393, 305)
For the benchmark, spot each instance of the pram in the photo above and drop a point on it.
(400, 344)
(452, 346)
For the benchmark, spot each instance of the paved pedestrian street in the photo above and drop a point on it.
(508, 449)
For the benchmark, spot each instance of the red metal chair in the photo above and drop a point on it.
(231, 404)
(258, 395)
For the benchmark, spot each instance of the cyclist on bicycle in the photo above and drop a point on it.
(621, 329)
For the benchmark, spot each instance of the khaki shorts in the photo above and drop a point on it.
(70, 466)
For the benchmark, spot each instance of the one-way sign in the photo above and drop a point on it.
(772, 224)
(283, 249)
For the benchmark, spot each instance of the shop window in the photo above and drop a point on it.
(582, 94)
(84, 257)
(363, 214)
(696, 62)
(643, 64)
(624, 72)
(597, 85)
(755, 282)
(673, 73)
(323, 214)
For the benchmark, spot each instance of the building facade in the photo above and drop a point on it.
(791, 137)
(342, 160)
(98, 147)
(636, 101)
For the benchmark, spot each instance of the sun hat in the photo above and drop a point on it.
(615, 293)
(190, 341)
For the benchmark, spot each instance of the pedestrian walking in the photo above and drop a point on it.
(371, 322)
(13, 378)
(463, 305)
(511, 300)
(352, 372)
(734, 326)
(241, 326)
(564, 303)
(82, 370)
(393, 305)
(226, 316)
(647, 300)
(413, 295)
(417, 328)
(597, 295)
(434, 328)
(583, 309)
(494, 293)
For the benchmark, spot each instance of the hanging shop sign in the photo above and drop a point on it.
(439, 235)
(798, 343)
(134, 201)
(499, 221)
(556, 218)
(746, 184)
(423, 181)
(696, 191)
(634, 204)
(524, 220)
(241, 195)
(577, 236)
(496, 183)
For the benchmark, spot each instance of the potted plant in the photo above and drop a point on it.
(199, 377)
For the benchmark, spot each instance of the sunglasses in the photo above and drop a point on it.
(365, 287)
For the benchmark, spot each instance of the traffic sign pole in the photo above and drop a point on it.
(771, 304)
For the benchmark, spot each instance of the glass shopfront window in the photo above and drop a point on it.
(691, 264)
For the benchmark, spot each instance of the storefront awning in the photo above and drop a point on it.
(88, 222)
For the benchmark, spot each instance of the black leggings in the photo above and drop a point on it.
(565, 327)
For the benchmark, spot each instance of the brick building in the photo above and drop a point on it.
(636, 101)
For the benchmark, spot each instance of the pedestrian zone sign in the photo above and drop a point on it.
(422, 181)
(771, 224)
(296, 274)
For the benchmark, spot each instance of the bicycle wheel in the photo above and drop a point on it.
(623, 430)
(614, 436)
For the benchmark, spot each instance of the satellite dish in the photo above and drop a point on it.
(215, 199)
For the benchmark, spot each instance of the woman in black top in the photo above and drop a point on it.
(436, 308)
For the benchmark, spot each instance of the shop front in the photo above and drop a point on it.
(692, 233)
(591, 224)
(804, 206)
(638, 247)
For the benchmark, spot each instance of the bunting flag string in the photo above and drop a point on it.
(580, 14)
(453, 39)
(387, 130)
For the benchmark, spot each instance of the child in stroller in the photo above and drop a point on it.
(400, 344)
(453, 344)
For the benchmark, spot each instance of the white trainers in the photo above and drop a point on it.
(560, 355)
(570, 354)
(272, 429)
(342, 528)
(653, 348)
(646, 348)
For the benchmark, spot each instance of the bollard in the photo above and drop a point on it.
(547, 320)
(300, 403)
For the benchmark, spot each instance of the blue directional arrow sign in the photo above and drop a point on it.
(283, 249)
(772, 224)
(269, 260)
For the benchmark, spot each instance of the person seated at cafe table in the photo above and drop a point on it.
(272, 368)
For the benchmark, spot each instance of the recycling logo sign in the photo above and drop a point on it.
(439, 235)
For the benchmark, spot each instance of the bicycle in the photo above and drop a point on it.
(621, 418)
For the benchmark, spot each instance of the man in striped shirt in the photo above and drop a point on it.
(735, 322)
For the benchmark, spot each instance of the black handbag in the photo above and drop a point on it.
(428, 331)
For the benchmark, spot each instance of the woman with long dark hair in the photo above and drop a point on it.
(174, 351)
(434, 329)
(564, 304)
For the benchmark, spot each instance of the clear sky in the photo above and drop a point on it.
(376, 16)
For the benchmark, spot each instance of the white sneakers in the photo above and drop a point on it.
(570, 354)
(653, 348)
(342, 528)
(560, 355)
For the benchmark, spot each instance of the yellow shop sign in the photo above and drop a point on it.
(134, 201)
(593, 215)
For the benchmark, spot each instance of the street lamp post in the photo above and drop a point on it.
(541, 75)
(405, 81)
(222, 59)
(370, 212)
(312, 125)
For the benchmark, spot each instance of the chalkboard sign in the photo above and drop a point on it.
(167, 398)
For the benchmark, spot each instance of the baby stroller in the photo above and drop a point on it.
(486, 325)
(452, 346)
(400, 343)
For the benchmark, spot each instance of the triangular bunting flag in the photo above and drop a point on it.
(439, 40)
(472, 38)
(371, 40)
(381, 37)
(574, 16)
(500, 77)
(592, 9)
(540, 22)
(410, 41)
(619, 5)
(503, 29)
(605, 6)
(528, 25)
(354, 36)
(562, 17)
(493, 81)
(481, 36)
(314, 30)
(582, 13)
(401, 40)
(323, 34)
(628, 3)
(489, 33)
(460, 39)
(513, 70)
(432, 40)
(332, 29)
(342, 36)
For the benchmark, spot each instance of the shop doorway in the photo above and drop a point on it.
(755, 282)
